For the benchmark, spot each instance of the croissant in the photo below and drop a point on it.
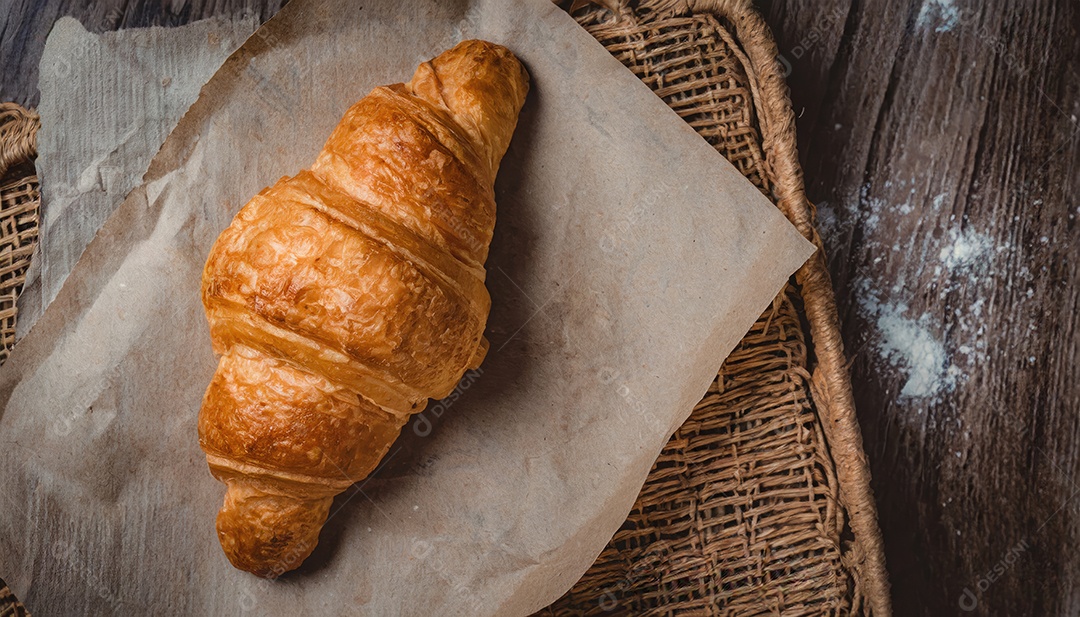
(341, 299)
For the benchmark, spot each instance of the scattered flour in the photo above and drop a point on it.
(942, 13)
(827, 223)
(936, 351)
(916, 344)
(861, 210)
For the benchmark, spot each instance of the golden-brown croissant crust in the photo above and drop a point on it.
(343, 298)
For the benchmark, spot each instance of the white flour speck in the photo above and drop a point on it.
(827, 223)
(977, 307)
(942, 12)
(965, 248)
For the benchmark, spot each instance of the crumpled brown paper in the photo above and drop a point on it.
(628, 259)
(107, 102)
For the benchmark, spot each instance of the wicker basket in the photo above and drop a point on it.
(761, 501)
(9, 604)
(19, 204)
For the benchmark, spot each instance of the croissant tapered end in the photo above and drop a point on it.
(268, 535)
(483, 85)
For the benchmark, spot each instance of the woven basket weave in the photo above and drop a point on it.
(19, 204)
(760, 503)
(9, 604)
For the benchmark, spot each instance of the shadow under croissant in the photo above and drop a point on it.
(414, 453)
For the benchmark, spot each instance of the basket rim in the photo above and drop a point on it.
(830, 382)
(836, 403)
(18, 135)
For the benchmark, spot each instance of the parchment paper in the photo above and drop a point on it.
(629, 259)
(107, 103)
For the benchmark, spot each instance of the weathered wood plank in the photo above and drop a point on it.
(939, 139)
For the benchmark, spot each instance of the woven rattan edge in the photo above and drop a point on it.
(830, 382)
(20, 200)
(707, 534)
(18, 135)
(831, 379)
(9, 604)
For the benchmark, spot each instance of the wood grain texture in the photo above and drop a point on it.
(939, 141)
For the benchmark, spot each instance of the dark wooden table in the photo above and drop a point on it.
(939, 142)
(939, 139)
